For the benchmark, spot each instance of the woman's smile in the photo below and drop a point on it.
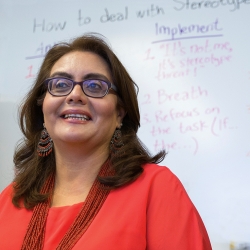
(81, 118)
(75, 116)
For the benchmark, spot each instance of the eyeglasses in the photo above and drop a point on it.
(61, 86)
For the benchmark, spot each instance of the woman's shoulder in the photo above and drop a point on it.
(170, 209)
(6, 195)
(159, 172)
(161, 180)
(6, 198)
(7, 192)
(155, 168)
(155, 179)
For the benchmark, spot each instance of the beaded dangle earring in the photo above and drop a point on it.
(116, 142)
(45, 144)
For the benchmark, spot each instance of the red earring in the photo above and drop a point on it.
(45, 144)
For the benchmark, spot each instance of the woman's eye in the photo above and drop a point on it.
(94, 86)
(62, 84)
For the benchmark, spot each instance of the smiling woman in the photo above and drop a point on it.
(102, 113)
(83, 178)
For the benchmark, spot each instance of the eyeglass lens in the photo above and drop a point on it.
(91, 87)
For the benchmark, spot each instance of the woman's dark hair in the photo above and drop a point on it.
(32, 170)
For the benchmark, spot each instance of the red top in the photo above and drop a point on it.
(154, 213)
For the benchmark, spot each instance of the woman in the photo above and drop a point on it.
(83, 179)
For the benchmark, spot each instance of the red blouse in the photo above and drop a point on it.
(154, 213)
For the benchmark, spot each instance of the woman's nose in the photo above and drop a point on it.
(77, 95)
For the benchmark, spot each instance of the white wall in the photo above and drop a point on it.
(193, 75)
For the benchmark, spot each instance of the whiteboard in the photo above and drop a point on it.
(191, 62)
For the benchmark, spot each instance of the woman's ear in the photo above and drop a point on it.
(120, 115)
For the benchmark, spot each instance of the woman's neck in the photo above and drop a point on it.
(75, 174)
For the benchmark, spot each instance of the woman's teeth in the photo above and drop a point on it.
(77, 116)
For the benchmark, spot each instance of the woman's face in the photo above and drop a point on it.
(88, 121)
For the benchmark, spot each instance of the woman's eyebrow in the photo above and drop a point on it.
(85, 77)
(63, 74)
(96, 76)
